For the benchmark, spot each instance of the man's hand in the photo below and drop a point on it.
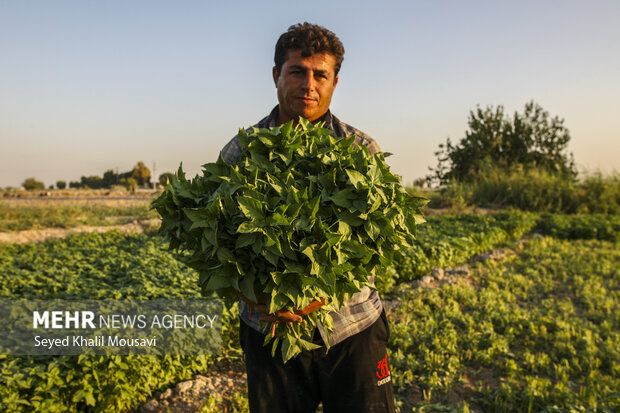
(284, 316)
(281, 316)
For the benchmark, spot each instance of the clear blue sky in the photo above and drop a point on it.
(87, 86)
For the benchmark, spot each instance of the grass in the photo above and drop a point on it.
(530, 190)
(25, 214)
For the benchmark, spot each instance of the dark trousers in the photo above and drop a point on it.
(353, 376)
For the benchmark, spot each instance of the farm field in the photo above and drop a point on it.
(533, 328)
(18, 214)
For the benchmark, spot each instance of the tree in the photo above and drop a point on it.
(31, 184)
(130, 184)
(494, 140)
(91, 182)
(141, 173)
(110, 178)
(165, 177)
(61, 184)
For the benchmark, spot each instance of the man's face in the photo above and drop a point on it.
(305, 85)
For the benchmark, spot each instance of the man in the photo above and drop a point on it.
(353, 376)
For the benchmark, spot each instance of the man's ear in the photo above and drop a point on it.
(275, 75)
(335, 80)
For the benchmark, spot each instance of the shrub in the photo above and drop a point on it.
(599, 193)
(130, 184)
(534, 190)
(32, 184)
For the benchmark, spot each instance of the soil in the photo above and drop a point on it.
(222, 380)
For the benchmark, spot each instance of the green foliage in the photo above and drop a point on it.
(601, 227)
(89, 383)
(448, 240)
(129, 183)
(534, 190)
(237, 403)
(110, 178)
(494, 140)
(537, 333)
(300, 216)
(92, 266)
(141, 173)
(91, 182)
(97, 182)
(61, 184)
(165, 178)
(28, 216)
(32, 184)
(599, 193)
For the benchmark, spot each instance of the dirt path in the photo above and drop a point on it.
(221, 382)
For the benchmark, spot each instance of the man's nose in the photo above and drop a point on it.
(309, 82)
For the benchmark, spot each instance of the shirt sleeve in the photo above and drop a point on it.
(231, 150)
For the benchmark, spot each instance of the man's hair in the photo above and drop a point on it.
(309, 39)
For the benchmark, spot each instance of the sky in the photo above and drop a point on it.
(87, 86)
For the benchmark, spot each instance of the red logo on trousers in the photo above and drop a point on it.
(382, 368)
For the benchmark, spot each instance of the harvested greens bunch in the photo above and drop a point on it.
(300, 216)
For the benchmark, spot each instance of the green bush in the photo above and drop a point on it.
(32, 184)
(535, 190)
(599, 193)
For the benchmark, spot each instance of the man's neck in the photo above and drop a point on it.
(282, 119)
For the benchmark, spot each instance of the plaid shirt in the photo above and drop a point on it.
(364, 307)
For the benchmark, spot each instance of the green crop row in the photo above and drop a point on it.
(536, 333)
(447, 240)
(115, 266)
(582, 226)
(92, 266)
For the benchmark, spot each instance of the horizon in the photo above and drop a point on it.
(88, 87)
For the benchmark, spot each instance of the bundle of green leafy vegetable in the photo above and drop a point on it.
(300, 216)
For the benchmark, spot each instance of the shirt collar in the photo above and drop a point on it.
(271, 121)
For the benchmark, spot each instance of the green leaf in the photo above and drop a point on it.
(372, 229)
(224, 255)
(250, 207)
(246, 285)
(247, 227)
(246, 239)
(357, 179)
(343, 198)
